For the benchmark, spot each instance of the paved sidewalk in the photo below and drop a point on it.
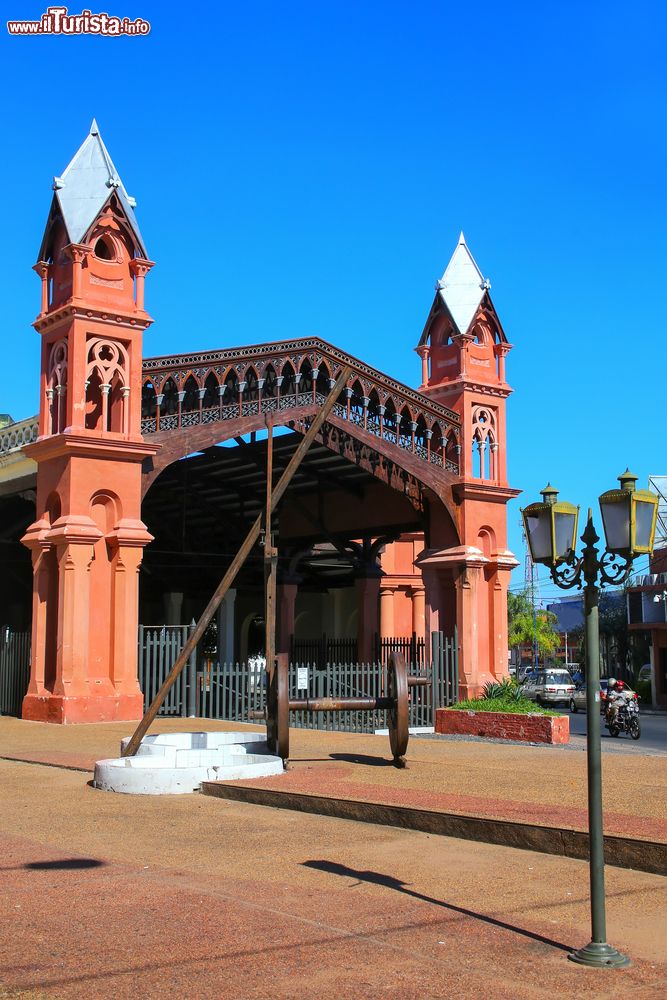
(114, 897)
(544, 785)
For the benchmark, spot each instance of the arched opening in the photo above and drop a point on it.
(191, 395)
(288, 387)
(211, 393)
(405, 428)
(390, 429)
(148, 400)
(373, 413)
(251, 390)
(357, 403)
(452, 452)
(322, 384)
(270, 388)
(436, 444)
(230, 395)
(93, 401)
(116, 408)
(306, 381)
(104, 249)
(169, 403)
(421, 437)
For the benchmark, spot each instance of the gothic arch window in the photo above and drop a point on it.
(484, 442)
(357, 403)
(107, 387)
(288, 387)
(270, 385)
(390, 421)
(211, 393)
(104, 248)
(56, 387)
(323, 376)
(251, 391)
(437, 444)
(405, 428)
(230, 395)
(306, 382)
(169, 402)
(373, 412)
(191, 395)
(148, 400)
(451, 452)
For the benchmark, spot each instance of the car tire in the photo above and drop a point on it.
(573, 707)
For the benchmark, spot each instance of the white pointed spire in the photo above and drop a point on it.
(462, 286)
(85, 186)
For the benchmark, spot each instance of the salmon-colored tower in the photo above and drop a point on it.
(88, 539)
(463, 350)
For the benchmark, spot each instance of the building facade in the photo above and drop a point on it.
(151, 469)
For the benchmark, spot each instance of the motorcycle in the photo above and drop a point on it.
(626, 720)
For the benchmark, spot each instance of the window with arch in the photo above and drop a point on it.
(107, 387)
(104, 248)
(288, 387)
(190, 395)
(484, 443)
(56, 387)
(211, 391)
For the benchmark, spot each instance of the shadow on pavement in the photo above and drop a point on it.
(377, 878)
(362, 758)
(65, 864)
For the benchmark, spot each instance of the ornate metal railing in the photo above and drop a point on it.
(184, 391)
(16, 436)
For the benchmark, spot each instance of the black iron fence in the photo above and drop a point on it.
(323, 651)
(14, 670)
(413, 649)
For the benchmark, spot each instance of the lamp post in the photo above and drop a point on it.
(629, 518)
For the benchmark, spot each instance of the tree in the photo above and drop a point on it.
(526, 626)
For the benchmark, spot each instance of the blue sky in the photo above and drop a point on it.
(305, 168)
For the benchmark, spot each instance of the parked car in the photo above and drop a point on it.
(549, 687)
(578, 698)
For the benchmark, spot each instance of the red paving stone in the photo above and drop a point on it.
(336, 783)
(73, 926)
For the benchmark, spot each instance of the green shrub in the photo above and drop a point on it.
(512, 703)
(643, 689)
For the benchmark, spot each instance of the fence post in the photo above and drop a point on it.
(142, 665)
(192, 677)
(435, 673)
(455, 670)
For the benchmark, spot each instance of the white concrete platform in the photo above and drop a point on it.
(177, 763)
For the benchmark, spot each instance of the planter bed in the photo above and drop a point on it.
(528, 727)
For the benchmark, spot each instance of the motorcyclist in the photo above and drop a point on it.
(616, 697)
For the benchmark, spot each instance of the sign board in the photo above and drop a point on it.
(302, 678)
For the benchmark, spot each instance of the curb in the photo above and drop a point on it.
(623, 852)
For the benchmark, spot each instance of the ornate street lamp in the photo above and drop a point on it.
(629, 518)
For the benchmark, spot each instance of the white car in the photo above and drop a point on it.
(549, 687)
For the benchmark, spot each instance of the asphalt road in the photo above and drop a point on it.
(653, 738)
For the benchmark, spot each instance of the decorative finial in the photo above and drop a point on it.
(94, 130)
(549, 494)
(627, 481)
